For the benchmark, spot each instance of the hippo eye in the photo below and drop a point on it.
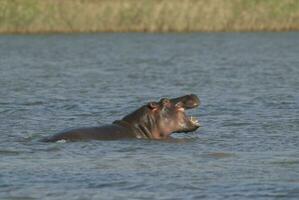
(153, 105)
(165, 101)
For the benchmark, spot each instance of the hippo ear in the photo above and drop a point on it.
(153, 105)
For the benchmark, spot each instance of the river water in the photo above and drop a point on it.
(247, 147)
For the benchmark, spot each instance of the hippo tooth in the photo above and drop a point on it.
(194, 120)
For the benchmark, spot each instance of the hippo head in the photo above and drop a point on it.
(159, 119)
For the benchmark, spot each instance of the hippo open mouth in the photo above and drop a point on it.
(189, 123)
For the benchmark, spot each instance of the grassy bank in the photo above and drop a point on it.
(33, 16)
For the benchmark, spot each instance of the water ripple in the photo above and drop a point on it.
(247, 147)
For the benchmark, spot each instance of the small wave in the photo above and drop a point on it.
(228, 124)
(5, 103)
(3, 111)
(29, 137)
(70, 107)
(9, 152)
(61, 141)
(286, 162)
(33, 103)
(21, 198)
(220, 155)
(129, 149)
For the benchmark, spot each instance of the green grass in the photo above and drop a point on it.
(34, 16)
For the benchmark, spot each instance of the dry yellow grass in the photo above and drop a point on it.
(33, 16)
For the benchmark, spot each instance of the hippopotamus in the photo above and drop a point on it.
(154, 120)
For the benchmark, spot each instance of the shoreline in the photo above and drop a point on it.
(141, 32)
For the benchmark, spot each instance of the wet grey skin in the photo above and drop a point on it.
(155, 120)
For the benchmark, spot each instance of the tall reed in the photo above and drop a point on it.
(31, 16)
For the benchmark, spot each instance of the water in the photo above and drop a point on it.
(247, 148)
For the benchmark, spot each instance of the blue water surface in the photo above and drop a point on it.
(247, 147)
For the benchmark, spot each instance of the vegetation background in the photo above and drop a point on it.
(34, 16)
